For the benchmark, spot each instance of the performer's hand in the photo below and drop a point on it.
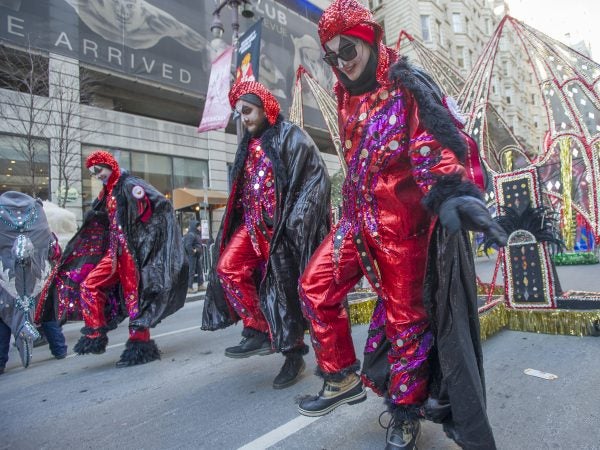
(471, 214)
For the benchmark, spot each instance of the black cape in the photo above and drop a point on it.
(301, 222)
(156, 246)
(457, 383)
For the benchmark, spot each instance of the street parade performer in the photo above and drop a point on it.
(407, 164)
(276, 216)
(127, 259)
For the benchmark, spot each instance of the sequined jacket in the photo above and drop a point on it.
(301, 221)
(153, 237)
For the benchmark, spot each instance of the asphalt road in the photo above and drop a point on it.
(196, 398)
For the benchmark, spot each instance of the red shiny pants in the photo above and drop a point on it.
(237, 269)
(402, 269)
(103, 277)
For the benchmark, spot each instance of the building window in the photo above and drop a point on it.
(25, 167)
(155, 169)
(165, 173)
(425, 28)
(190, 173)
(457, 25)
(508, 94)
(440, 33)
(460, 56)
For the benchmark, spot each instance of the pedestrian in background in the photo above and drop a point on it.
(192, 242)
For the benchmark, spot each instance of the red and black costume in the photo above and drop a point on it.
(127, 260)
(403, 150)
(277, 214)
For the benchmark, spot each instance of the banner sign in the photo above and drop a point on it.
(168, 42)
(248, 54)
(216, 108)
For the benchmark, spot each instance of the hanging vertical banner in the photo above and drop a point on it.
(216, 109)
(248, 54)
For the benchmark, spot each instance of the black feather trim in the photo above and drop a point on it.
(541, 222)
(338, 376)
(86, 345)
(139, 352)
(446, 187)
(401, 413)
(433, 115)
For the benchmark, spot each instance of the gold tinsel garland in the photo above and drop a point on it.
(555, 321)
(566, 178)
(492, 321)
(362, 310)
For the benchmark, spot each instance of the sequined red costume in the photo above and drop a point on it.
(248, 249)
(277, 214)
(127, 259)
(384, 229)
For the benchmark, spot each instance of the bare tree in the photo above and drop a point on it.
(67, 132)
(27, 110)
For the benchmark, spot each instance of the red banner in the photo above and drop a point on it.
(216, 109)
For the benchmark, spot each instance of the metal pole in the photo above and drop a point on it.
(235, 26)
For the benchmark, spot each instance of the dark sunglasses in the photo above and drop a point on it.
(95, 170)
(347, 52)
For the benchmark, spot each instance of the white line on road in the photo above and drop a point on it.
(169, 333)
(279, 433)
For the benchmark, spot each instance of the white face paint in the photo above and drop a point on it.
(356, 66)
(101, 173)
(253, 117)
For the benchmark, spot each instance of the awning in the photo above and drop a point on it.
(184, 197)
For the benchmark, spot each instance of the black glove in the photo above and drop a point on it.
(471, 214)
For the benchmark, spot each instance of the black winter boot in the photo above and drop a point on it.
(138, 352)
(334, 393)
(290, 372)
(402, 431)
(254, 343)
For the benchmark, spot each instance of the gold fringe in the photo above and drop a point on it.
(547, 321)
(554, 321)
(492, 321)
(362, 310)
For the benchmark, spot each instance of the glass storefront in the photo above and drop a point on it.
(25, 168)
(163, 172)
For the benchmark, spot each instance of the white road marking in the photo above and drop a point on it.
(279, 433)
(169, 333)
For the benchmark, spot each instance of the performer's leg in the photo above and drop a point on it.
(402, 270)
(55, 338)
(236, 269)
(93, 299)
(322, 291)
(139, 348)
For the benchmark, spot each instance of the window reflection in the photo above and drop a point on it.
(25, 167)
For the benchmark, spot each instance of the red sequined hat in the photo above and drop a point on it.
(270, 103)
(349, 17)
(343, 15)
(102, 157)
